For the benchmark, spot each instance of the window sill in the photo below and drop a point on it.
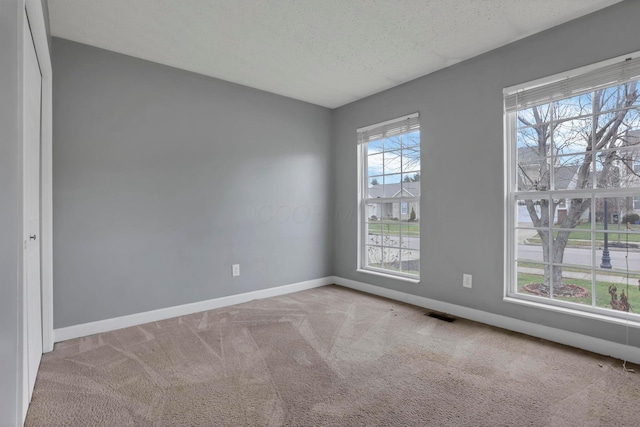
(573, 312)
(388, 276)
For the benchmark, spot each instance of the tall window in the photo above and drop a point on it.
(572, 182)
(389, 197)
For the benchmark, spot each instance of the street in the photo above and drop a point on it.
(579, 256)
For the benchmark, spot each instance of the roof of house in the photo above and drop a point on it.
(410, 189)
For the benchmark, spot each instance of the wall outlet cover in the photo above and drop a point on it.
(466, 280)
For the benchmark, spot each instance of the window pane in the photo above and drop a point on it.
(607, 214)
(534, 141)
(572, 213)
(392, 162)
(373, 256)
(375, 163)
(617, 243)
(391, 233)
(393, 143)
(615, 292)
(373, 233)
(619, 168)
(575, 285)
(391, 259)
(410, 235)
(374, 147)
(411, 159)
(578, 250)
(533, 212)
(411, 185)
(393, 179)
(534, 115)
(531, 278)
(392, 185)
(572, 136)
(411, 139)
(632, 119)
(629, 163)
(411, 261)
(413, 212)
(375, 189)
(614, 128)
(533, 174)
(573, 172)
(373, 211)
(379, 212)
(612, 98)
(572, 107)
(529, 245)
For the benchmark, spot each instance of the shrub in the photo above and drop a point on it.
(631, 218)
(412, 216)
(373, 218)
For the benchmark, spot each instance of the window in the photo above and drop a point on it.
(389, 198)
(573, 187)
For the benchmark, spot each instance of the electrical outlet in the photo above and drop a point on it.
(466, 280)
(235, 270)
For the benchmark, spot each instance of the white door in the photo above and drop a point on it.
(31, 199)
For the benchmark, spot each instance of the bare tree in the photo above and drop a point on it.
(409, 143)
(583, 124)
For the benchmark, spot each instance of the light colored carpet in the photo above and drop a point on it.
(327, 357)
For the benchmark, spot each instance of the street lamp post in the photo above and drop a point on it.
(606, 259)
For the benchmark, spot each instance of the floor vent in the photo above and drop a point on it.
(440, 316)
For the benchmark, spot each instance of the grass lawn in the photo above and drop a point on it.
(602, 291)
(579, 270)
(393, 228)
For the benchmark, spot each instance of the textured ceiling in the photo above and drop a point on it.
(327, 52)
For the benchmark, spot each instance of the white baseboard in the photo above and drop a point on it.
(100, 326)
(585, 342)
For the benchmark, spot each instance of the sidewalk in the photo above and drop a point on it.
(633, 280)
(524, 236)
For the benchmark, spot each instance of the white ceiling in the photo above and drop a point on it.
(327, 52)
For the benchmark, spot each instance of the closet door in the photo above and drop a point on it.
(31, 205)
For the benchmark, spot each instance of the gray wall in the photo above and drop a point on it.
(163, 179)
(462, 163)
(11, 205)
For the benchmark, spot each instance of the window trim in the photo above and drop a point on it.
(362, 180)
(511, 193)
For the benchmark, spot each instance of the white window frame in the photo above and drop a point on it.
(364, 202)
(511, 195)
